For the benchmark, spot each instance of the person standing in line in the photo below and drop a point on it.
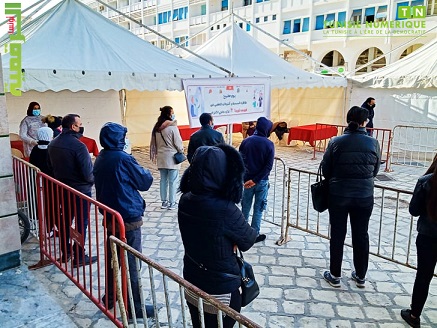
(71, 164)
(258, 154)
(206, 136)
(423, 205)
(350, 163)
(211, 227)
(370, 104)
(29, 127)
(166, 141)
(120, 192)
(55, 123)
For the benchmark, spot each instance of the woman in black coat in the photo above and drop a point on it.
(423, 204)
(350, 164)
(212, 225)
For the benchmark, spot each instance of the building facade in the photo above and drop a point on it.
(318, 27)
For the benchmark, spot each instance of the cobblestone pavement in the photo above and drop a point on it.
(293, 293)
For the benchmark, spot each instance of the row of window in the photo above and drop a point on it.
(178, 14)
(265, 19)
(361, 15)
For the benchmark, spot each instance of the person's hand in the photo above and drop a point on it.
(34, 142)
(249, 184)
(235, 248)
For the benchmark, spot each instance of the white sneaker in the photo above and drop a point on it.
(164, 205)
(172, 206)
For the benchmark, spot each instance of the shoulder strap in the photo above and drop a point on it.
(163, 138)
(201, 266)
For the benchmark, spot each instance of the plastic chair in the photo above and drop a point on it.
(17, 153)
(14, 137)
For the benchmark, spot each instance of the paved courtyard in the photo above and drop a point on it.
(293, 293)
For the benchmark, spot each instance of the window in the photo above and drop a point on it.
(381, 14)
(306, 24)
(417, 3)
(247, 2)
(247, 27)
(266, 18)
(287, 27)
(257, 20)
(224, 5)
(274, 17)
(342, 17)
(432, 8)
(356, 15)
(218, 27)
(296, 26)
(164, 17)
(241, 25)
(319, 22)
(330, 20)
(203, 10)
(400, 4)
(224, 25)
(369, 14)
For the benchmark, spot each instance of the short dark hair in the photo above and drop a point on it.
(368, 100)
(205, 118)
(68, 120)
(30, 108)
(356, 116)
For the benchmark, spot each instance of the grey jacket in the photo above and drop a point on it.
(169, 147)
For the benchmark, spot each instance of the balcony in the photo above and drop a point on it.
(198, 20)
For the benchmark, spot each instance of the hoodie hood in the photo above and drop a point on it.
(263, 127)
(112, 136)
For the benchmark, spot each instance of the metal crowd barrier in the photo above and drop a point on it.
(25, 192)
(58, 207)
(392, 230)
(382, 135)
(275, 199)
(413, 145)
(172, 291)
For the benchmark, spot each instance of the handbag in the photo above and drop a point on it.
(178, 157)
(249, 286)
(320, 192)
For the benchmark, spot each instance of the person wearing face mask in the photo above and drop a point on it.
(206, 136)
(165, 142)
(71, 164)
(370, 104)
(29, 127)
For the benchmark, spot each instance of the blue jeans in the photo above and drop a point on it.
(168, 183)
(260, 191)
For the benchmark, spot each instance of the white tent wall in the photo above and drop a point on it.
(95, 108)
(306, 106)
(399, 106)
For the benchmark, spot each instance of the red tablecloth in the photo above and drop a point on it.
(91, 145)
(18, 144)
(186, 131)
(311, 133)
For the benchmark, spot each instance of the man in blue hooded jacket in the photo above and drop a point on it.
(258, 154)
(118, 177)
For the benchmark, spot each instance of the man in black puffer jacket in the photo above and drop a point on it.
(350, 163)
(211, 226)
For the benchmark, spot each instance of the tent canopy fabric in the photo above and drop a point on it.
(238, 52)
(417, 70)
(72, 47)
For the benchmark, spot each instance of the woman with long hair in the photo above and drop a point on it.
(423, 204)
(350, 163)
(29, 127)
(166, 141)
(211, 227)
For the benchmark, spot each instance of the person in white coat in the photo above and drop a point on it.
(29, 127)
(166, 141)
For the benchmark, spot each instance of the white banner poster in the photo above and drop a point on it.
(228, 100)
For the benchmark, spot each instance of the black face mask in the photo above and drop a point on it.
(81, 129)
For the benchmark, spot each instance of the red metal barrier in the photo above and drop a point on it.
(58, 207)
(384, 137)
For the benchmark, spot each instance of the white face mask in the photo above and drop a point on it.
(173, 117)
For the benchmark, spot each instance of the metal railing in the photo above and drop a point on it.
(382, 135)
(413, 145)
(80, 224)
(391, 227)
(277, 190)
(171, 291)
(25, 191)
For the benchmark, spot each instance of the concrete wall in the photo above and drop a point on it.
(9, 233)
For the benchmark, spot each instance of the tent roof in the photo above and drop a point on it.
(237, 51)
(417, 70)
(73, 47)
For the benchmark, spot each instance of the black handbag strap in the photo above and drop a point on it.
(201, 266)
(163, 138)
(319, 173)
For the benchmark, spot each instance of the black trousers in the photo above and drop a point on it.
(359, 211)
(426, 261)
(211, 319)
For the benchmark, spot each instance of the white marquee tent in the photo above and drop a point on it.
(76, 61)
